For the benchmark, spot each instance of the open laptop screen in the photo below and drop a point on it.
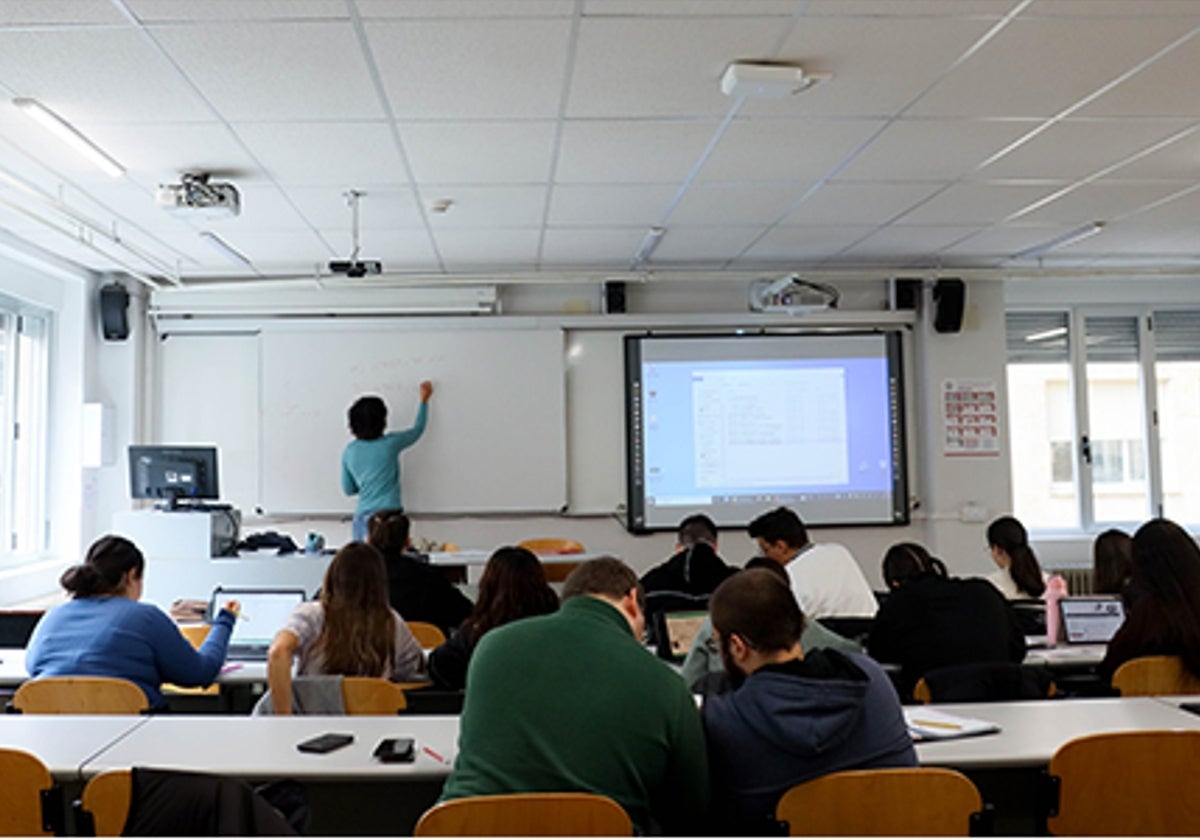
(264, 612)
(679, 630)
(1091, 619)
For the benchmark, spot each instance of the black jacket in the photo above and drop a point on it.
(696, 570)
(420, 592)
(931, 622)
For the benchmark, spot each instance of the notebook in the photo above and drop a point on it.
(677, 631)
(264, 612)
(1090, 619)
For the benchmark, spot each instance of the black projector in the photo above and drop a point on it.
(356, 268)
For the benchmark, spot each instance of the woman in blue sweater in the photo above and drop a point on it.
(104, 632)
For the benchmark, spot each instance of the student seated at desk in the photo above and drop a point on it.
(350, 631)
(1165, 618)
(1019, 574)
(104, 632)
(513, 586)
(1112, 565)
(416, 590)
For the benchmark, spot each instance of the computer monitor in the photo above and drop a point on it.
(173, 473)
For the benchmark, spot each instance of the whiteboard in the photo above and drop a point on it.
(495, 441)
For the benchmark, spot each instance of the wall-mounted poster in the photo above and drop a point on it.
(970, 411)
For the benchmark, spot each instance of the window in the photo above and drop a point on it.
(24, 385)
(1111, 400)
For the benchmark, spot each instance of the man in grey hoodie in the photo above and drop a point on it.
(791, 717)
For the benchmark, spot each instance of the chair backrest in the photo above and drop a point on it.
(1150, 675)
(80, 696)
(427, 635)
(195, 633)
(1128, 783)
(552, 545)
(373, 696)
(25, 777)
(526, 814)
(106, 797)
(983, 682)
(908, 801)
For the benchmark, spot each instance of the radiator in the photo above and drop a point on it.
(1079, 580)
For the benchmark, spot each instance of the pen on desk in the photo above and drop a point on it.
(937, 724)
(435, 756)
(232, 666)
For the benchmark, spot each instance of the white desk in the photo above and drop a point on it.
(66, 742)
(1031, 731)
(12, 667)
(265, 747)
(1067, 655)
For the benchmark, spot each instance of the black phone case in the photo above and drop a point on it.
(393, 750)
(328, 742)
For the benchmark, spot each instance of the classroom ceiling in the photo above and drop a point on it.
(951, 134)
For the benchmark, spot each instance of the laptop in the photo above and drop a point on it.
(264, 612)
(676, 631)
(1091, 619)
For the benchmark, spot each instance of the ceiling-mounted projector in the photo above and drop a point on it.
(765, 80)
(197, 195)
(355, 268)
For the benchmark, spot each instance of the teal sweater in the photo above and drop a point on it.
(371, 468)
(571, 701)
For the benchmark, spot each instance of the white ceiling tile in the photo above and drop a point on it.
(902, 242)
(464, 8)
(721, 203)
(610, 205)
(695, 245)
(58, 13)
(346, 155)
(680, 8)
(999, 243)
(811, 242)
(1177, 160)
(221, 58)
(483, 208)
(475, 153)
(1162, 89)
(792, 150)
(863, 54)
(975, 203)
(859, 204)
(595, 246)
(1108, 8)
(908, 8)
(630, 152)
(925, 150)
(461, 249)
(159, 11)
(471, 68)
(165, 151)
(660, 67)
(1103, 200)
(384, 207)
(1076, 148)
(1037, 68)
(89, 76)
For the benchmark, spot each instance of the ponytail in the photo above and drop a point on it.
(107, 562)
(1010, 536)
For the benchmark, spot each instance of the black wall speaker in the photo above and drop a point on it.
(614, 296)
(114, 301)
(949, 298)
(904, 293)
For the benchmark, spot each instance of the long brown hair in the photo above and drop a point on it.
(358, 636)
(513, 586)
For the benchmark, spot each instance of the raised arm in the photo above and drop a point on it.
(179, 662)
(279, 670)
(409, 436)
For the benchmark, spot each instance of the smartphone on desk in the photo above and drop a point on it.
(326, 743)
(1192, 707)
(392, 750)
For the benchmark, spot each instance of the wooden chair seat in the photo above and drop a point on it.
(527, 814)
(543, 546)
(1150, 675)
(24, 778)
(376, 696)
(427, 635)
(1127, 784)
(910, 801)
(80, 696)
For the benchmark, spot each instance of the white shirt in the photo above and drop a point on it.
(1002, 580)
(828, 582)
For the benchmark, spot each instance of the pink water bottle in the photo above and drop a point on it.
(1056, 587)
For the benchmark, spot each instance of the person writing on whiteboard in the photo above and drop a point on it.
(371, 462)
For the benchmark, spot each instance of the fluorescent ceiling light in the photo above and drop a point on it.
(225, 249)
(649, 243)
(1090, 229)
(1045, 335)
(69, 135)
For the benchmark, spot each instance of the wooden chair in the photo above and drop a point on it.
(542, 546)
(427, 635)
(106, 798)
(909, 801)
(526, 814)
(196, 634)
(1127, 783)
(1150, 675)
(984, 682)
(80, 696)
(26, 781)
(376, 696)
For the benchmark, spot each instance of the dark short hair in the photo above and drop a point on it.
(368, 417)
(107, 561)
(388, 530)
(770, 565)
(606, 576)
(780, 524)
(697, 528)
(760, 608)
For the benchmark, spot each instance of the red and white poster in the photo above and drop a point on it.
(970, 410)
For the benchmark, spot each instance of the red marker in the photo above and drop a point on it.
(435, 756)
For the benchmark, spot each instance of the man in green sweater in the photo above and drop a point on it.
(573, 702)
